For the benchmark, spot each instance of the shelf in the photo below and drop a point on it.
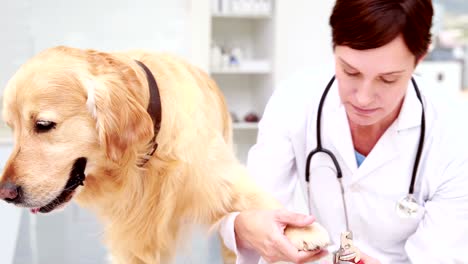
(245, 125)
(242, 15)
(241, 59)
(239, 71)
(248, 67)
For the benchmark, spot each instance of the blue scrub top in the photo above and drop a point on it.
(359, 158)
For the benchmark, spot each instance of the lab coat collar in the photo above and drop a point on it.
(393, 140)
(410, 113)
(335, 123)
(386, 149)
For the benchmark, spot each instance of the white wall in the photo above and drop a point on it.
(31, 26)
(17, 44)
(302, 41)
(303, 37)
(112, 25)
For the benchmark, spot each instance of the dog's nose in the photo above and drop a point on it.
(10, 192)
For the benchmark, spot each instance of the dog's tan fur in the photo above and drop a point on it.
(99, 102)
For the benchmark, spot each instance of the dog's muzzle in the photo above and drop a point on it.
(77, 178)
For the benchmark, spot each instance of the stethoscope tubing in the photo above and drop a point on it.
(339, 175)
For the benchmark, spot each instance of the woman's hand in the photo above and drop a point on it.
(263, 231)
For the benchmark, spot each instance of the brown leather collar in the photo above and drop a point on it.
(154, 110)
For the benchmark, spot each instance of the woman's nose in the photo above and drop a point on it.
(10, 192)
(364, 95)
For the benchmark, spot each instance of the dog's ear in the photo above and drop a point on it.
(116, 100)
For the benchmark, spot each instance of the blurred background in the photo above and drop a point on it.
(247, 46)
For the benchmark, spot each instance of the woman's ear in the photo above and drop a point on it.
(115, 100)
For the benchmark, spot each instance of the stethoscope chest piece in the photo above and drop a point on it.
(407, 207)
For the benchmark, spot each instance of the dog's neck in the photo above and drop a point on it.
(154, 110)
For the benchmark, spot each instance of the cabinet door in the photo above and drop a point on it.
(10, 217)
(447, 74)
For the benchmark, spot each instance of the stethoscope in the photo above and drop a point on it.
(405, 207)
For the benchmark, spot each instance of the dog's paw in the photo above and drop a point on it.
(313, 237)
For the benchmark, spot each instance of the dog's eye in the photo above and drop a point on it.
(44, 126)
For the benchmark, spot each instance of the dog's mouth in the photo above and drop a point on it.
(77, 177)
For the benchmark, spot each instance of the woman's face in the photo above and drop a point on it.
(373, 83)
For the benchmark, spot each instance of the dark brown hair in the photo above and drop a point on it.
(367, 24)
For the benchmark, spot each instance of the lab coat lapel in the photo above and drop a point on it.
(384, 151)
(337, 130)
(394, 139)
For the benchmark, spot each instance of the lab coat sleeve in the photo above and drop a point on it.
(442, 236)
(226, 231)
(270, 163)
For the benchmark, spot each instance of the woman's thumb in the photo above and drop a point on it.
(294, 219)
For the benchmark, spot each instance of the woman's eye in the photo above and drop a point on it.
(351, 73)
(44, 126)
(388, 81)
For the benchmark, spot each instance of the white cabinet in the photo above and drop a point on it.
(10, 216)
(241, 61)
(447, 74)
(9, 228)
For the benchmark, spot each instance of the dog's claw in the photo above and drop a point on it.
(310, 238)
(309, 247)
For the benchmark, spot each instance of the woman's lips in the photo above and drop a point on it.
(364, 111)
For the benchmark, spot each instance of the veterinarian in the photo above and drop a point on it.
(401, 150)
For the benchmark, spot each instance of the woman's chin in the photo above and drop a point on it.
(359, 120)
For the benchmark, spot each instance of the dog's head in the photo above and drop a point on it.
(74, 114)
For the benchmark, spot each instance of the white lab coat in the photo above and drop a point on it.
(287, 133)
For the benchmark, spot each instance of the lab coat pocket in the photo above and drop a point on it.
(394, 227)
(409, 224)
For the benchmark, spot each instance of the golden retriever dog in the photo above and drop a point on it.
(146, 160)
